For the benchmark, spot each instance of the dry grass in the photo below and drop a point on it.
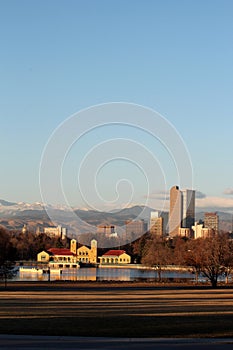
(116, 309)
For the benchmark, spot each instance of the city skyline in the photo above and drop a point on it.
(172, 57)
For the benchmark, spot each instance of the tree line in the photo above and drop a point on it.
(211, 257)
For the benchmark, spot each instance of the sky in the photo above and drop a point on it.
(61, 57)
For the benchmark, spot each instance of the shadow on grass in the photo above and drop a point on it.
(175, 326)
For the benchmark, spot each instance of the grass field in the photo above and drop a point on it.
(116, 309)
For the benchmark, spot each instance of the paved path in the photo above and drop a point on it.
(54, 342)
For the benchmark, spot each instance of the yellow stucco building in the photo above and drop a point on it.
(67, 257)
(58, 257)
(88, 255)
(115, 257)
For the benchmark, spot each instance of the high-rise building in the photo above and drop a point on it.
(175, 211)
(188, 208)
(211, 221)
(156, 224)
(182, 210)
(136, 227)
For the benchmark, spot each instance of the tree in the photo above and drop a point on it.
(7, 271)
(139, 247)
(213, 257)
(194, 256)
(7, 256)
(179, 248)
(157, 254)
(228, 256)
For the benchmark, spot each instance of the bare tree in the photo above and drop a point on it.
(179, 248)
(194, 256)
(213, 257)
(7, 255)
(157, 254)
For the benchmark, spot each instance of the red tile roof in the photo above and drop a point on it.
(114, 252)
(60, 251)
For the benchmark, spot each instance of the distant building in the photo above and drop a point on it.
(175, 211)
(211, 221)
(199, 231)
(184, 232)
(106, 229)
(188, 208)
(56, 232)
(182, 210)
(207, 232)
(136, 227)
(156, 224)
(113, 257)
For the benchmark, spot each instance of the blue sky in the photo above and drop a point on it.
(58, 57)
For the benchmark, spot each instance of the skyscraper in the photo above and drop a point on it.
(156, 224)
(211, 221)
(175, 211)
(188, 208)
(182, 210)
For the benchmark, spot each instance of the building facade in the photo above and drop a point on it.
(188, 208)
(88, 255)
(175, 211)
(63, 257)
(55, 232)
(137, 227)
(106, 229)
(156, 224)
(113, 257)
(58, 257)
(182, 210)
(211, 221)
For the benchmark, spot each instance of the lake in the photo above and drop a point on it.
(102, 274)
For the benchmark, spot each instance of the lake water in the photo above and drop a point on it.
(102, 274)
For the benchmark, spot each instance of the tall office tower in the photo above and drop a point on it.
(182, 210)
(175, 211)
(211, 221)
(188, 208)
(156, 224)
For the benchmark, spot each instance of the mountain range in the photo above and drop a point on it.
(14, 216)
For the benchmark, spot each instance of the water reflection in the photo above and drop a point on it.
(100, 274)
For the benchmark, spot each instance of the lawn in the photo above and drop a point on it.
(116, 309)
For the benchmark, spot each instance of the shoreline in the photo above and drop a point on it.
(102, 284)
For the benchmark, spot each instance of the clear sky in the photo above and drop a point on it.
(174, 56)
